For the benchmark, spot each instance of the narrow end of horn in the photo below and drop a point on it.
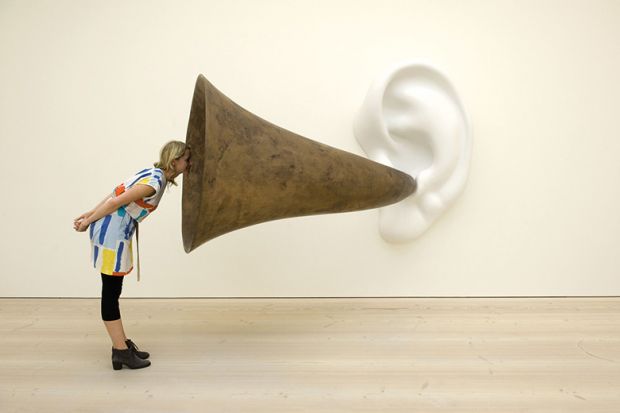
(410, 186)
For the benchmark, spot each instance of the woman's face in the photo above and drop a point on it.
(183, 163)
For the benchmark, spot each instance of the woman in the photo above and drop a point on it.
(112, 224)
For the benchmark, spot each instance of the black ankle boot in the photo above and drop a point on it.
(128, 358)
(142, 354)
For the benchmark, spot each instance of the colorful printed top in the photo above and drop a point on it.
(111, 236)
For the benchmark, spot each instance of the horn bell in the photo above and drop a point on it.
(245, 170)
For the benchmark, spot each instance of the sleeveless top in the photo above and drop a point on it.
(111, 236)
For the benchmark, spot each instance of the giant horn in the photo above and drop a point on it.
(245, 170)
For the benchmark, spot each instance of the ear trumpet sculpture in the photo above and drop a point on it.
(245, 170)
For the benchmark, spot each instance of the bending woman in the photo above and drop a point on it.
(112, 225)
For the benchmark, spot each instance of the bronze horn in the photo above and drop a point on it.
(246, 170)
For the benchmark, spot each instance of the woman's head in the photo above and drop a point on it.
(173, 159)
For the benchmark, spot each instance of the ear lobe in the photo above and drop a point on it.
(412, 119)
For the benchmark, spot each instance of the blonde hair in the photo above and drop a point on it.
(169, 152)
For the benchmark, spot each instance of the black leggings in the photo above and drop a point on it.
(112, 285)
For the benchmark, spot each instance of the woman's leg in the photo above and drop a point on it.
(115, 331)
(111, 289)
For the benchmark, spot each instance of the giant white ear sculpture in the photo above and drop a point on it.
(412, 119)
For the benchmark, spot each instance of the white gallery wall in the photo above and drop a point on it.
(90, 90)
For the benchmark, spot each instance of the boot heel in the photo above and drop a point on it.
(117, 366)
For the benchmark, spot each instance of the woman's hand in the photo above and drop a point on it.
(81, 224)
(84, 215)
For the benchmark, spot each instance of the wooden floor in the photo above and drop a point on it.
(316, 355)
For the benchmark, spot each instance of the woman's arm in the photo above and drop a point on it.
(89, 213)
(111, 204)
(99, 204)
